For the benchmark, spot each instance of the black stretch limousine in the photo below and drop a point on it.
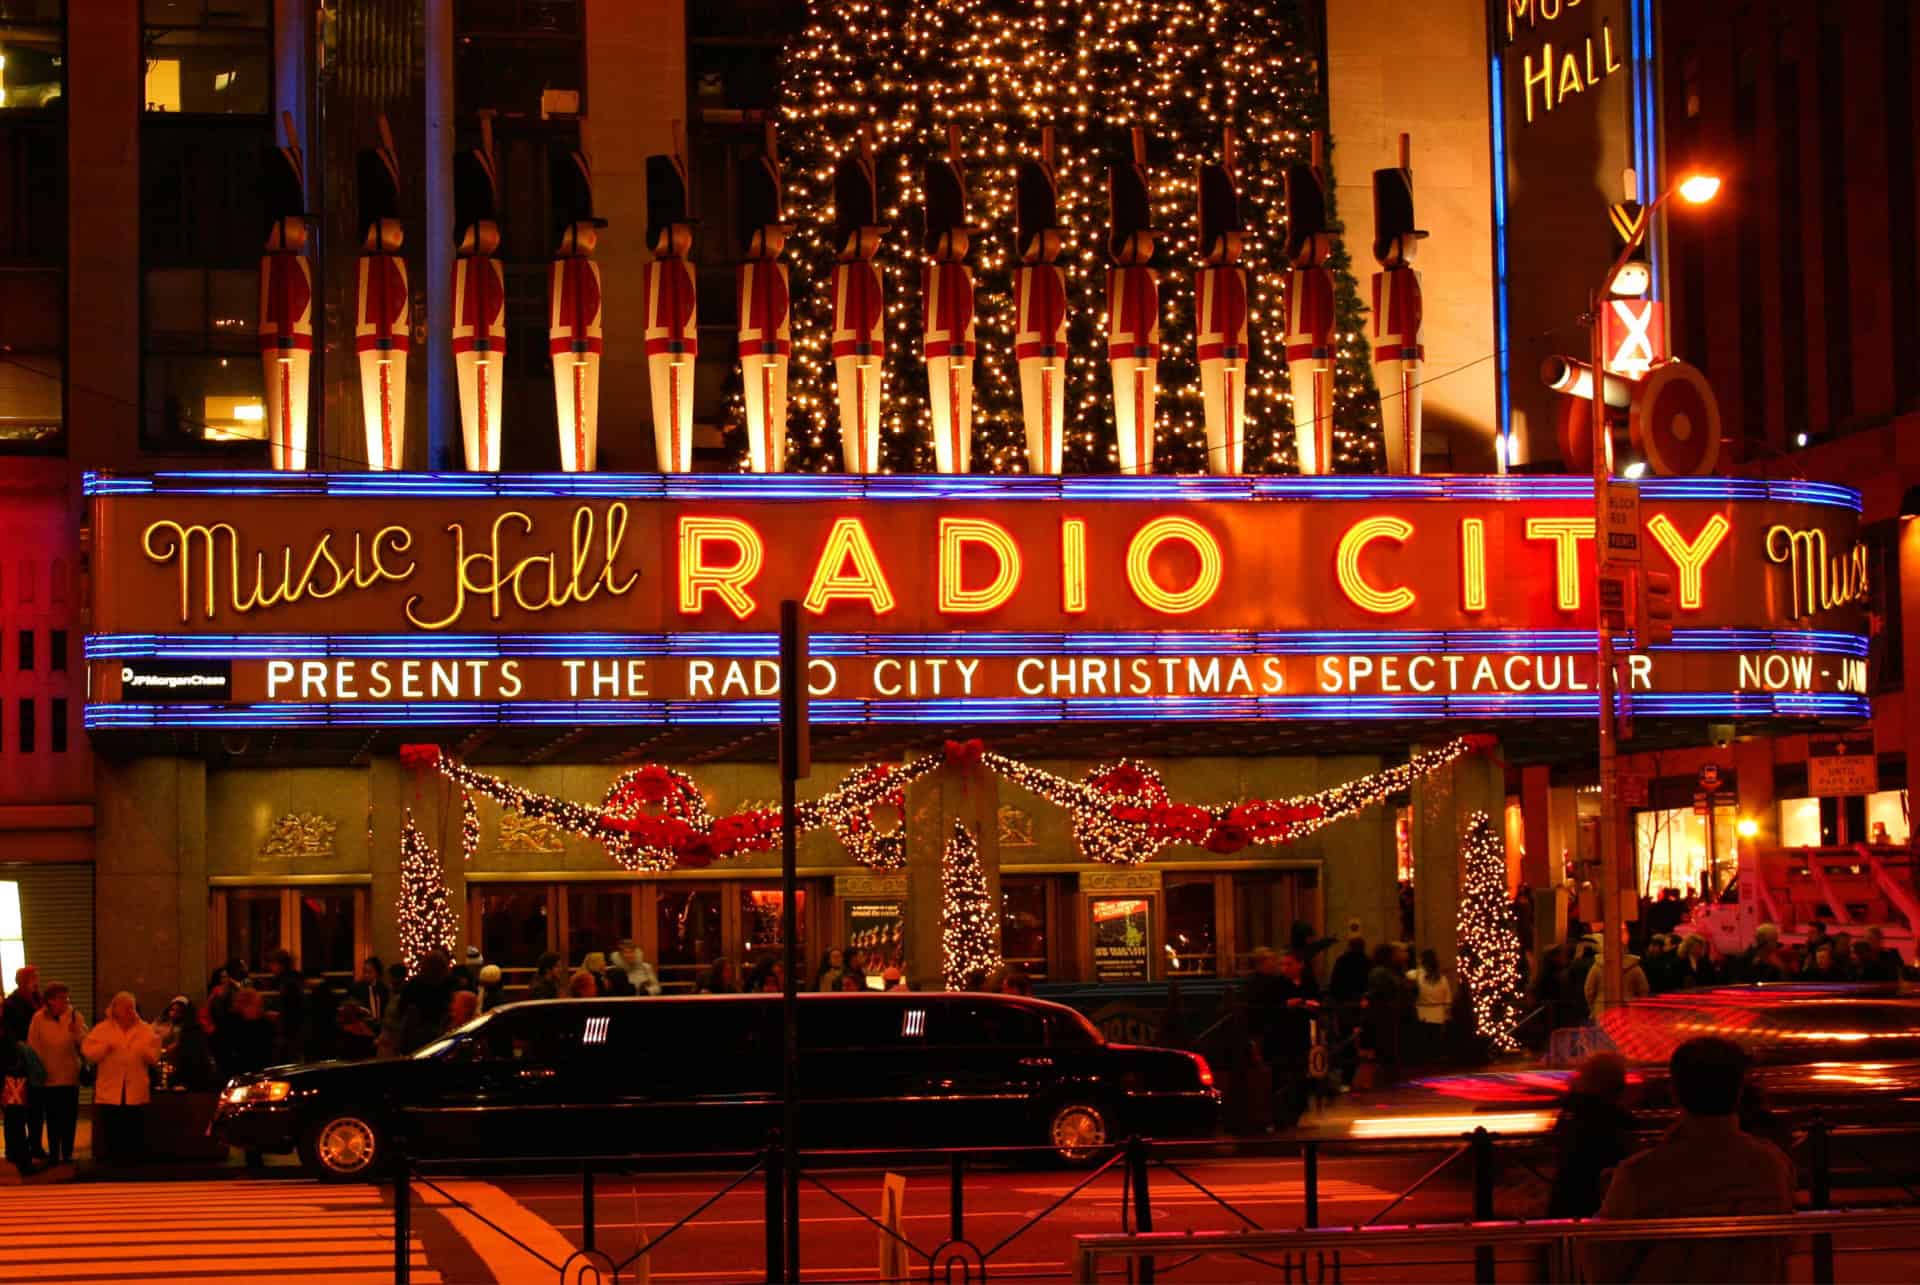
(692, 1074)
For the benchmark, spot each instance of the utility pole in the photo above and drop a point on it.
(795, 762)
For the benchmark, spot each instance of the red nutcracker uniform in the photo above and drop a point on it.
(1133, 311)
(1040, 290)
(1221, 317)
(573, 322)
(286, 308)
(672, 317)
(947, 296)
(766, 315)
(1395, 321)
(1310, 321)
(859, 309)
(382, 309)
(479, 308)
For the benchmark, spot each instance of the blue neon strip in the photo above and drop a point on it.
(1222, 643)
(1503, 412)
(1645, 120)
(765, 713)
(839, 486)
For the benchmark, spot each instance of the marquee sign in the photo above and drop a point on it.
(391, 599)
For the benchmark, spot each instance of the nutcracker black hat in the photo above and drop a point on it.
(856, 197)
(376, 188)
(1219, 206)
(758, 202)
(1035, 203)
(570, 184)
(666, 196)
(1129, 211)
(1392, 214)
(946, 189)
(283, 187)
(474, 198)
(1306, 209)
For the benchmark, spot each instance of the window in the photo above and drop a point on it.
(513, 925)
(25, 652)
(57, 650)
(13, 932)
(326, 931)
(208, 125)
(57, 718)
(1190, 929)
(26, 725)
(521, 58)
(1023, 924)
(253, 925)
(1266, 906)
(597, 919)
(687, 923)
(986, 1024)
(760, 924)
(1671, 846)
(209, 57)
(33, 225)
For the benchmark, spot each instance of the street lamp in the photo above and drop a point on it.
(1621, 278)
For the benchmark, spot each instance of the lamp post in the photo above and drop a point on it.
(1695, 189)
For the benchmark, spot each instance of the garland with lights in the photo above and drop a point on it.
(968, 934)
(654, 817)
(1489, 947)
(427, 921)
(1184, 70)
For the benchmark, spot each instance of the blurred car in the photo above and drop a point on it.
(698, 1074)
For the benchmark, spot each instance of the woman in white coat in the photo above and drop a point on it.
(123, 1050)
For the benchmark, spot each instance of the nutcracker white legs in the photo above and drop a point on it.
(479, 349)
(859, 360)
(382, 339)
(765, 348)
(672, 346)
(948, 298)
(1397, 354)
(1220, 295)
(1309, 345)
(575, 344)
(1041, 347)
(286, 353)
(1133, 356)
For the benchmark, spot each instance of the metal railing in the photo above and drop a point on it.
(1563, 1237)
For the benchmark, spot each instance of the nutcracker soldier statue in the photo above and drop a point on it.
(859, 306)
(382, 308)
(947, 296)
(1040, 287)
(1309, 341)
(286, 303)
(1133, 308)
(479, 302)
(1396, 320)
(672, 316)
(766, 315)
(573, 302)
(1220, 315)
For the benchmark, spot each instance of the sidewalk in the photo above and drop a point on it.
(153, 1170)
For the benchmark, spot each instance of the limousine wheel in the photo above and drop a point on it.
(1078, 1132)
(344, 1147)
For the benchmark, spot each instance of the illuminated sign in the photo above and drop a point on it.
(607, 599)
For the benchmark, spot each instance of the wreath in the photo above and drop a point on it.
(655, 818)
(1114, 829)
(866, 790)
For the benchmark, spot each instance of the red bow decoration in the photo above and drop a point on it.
(965, 754)
(418, 758)
(1125, 779)
(652, 784)
(698, 851)
(1487, 744)
(1227, 837)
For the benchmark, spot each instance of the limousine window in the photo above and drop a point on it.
(971, 1023)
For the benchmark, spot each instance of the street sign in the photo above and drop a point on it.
(1840, 764)
(1613, 601)
(1633, 790)
(1622, 524)
(1709, 776)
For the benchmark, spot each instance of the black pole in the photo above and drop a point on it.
(1142, 1203)
(1312, 1183)
(794, 764)
(775, 1204)
(586, 1206)
(1482, 1202)
(402, 1221)
(956, 1200)
(1820, 1158)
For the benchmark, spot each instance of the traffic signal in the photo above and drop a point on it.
(1656, 609)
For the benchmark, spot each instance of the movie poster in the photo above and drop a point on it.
(877, 929)
(1120, 938)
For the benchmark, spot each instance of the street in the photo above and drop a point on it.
(290, 1229)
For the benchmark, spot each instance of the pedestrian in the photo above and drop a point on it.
(467, 975)
(1692, 967)
(1592, 1135)
(245, 1044)
(422, 1007)
(1433, 1001)
(20, 1072)
(123, 1050)
(1886, 961)
(493, 991)
(832, 968)
(632, 969)
(1018, 981)
(55, 1037)
(1704, 1166)
(462, 1008)
(718, 979)
(1586, 957)
(289, 1007)
(582, 986)
(322, 1016)
(1761, 962)
(1385, 1003)
(549, 977)
(853, 983)
(1822, 966)
(186, 1065)
(1281, 1011)
(356, 1036)
(370, 990)
(16, 1014)
(179, 1009)
(1347, 983)
(595, 966)
(1633, 984)
(893, 979)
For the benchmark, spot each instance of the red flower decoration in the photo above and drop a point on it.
(1124, 779)
(697, 851)
(965, 754)
(1227, 837)
(417, 758)
(1132, 813)
(652, 784)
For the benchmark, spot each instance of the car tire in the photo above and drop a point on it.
(1079, 1131)
(346, 1146)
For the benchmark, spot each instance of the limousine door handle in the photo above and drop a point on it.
(1036, 1061)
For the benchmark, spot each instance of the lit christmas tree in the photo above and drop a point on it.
(967, 937)
(1000, 70)
(427, 922)
(1489, 946)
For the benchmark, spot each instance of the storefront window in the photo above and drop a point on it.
(597, 919)
(513, 926)
(1671, 844)
(253, 925)
(1799, 823)
(760, 922)
(208, 56)
(326, 931)
(1887, 820)
(1266, 906)
(1023, 925)
(1190, 927)
(688, 924)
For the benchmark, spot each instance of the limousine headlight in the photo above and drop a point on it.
(258, 1091)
